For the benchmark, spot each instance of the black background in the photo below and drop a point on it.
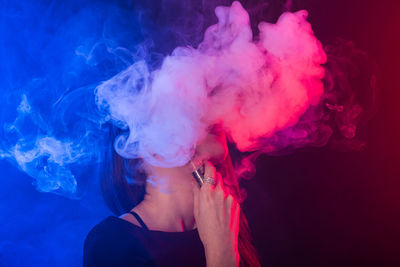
(319, 207)
(315, 207)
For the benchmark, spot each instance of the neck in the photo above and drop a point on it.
(168, 203)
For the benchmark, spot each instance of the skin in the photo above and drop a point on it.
(174, 203)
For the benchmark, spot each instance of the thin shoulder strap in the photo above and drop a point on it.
(139, 219)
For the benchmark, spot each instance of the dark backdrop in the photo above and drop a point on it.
(318, 207)
(315, 207)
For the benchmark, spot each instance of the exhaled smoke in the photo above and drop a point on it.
(266, 91)
(252, 88)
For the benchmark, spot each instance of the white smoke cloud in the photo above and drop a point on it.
(252, 88)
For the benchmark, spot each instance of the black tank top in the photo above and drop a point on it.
(115, 242)
(139, 219)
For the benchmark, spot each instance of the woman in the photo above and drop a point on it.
(167, 220)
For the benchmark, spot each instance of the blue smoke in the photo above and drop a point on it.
(52, 56)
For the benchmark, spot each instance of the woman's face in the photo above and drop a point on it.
(213, 148)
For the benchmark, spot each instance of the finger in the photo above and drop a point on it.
(234, 212)
(209, 172)
(231, 204)
(219, 187)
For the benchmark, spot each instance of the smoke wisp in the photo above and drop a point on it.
(252, 86)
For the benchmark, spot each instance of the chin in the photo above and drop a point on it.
(214, 148)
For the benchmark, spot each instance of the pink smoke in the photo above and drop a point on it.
(253, 87)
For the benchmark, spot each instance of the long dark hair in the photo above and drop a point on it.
(123, 187)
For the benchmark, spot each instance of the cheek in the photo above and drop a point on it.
(214, 148)
(219, 151)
